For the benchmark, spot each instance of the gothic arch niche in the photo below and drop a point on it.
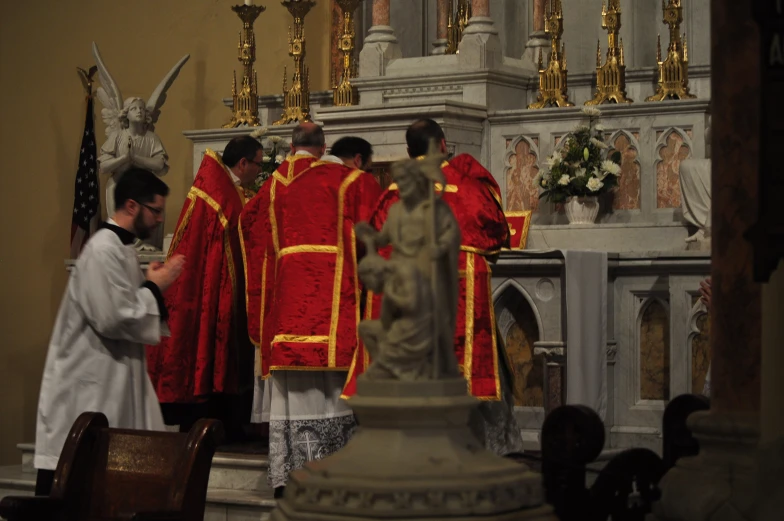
(558, 141)
(654, 348)
(672, 146)
(698, 341)
(519, 327)
(522, 165)
(627, 197)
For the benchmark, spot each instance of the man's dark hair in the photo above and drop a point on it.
(350, 146)
(420, 133)
(309, 135)
(238, 148)
(138, 185)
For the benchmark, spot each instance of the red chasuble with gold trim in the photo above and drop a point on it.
(474, 197)
(257, 253)
(203, 354)
(301, 258)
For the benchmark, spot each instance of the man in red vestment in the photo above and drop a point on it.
(474, 197)
(301, 256)
(205, 368)
(307, 146)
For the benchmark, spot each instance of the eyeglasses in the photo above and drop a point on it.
(154, 210)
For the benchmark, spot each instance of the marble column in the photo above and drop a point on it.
(381, 45)
(720, 483)
(480, 47)
(538, 39)
(480, 8)
(442, 21)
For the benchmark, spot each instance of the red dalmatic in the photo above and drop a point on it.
(474, 197)
(202, 355)
(303, 293)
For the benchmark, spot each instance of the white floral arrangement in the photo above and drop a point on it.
(275, 151)
(582, 167)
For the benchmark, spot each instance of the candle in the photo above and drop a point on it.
(248, 2)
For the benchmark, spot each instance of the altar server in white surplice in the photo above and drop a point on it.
(110, 310)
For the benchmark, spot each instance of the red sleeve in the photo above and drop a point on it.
(482, 221)
(199, 303)
(257, 257)
(368, 194)
(470, 167)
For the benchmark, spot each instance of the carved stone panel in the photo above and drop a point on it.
(655, 351)
(672, 148)
(627, 197)
(522, 167)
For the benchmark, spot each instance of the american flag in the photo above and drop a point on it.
(86, 206)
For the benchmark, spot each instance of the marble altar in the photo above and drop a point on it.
(655, 347)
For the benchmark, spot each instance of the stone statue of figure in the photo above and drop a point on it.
(130, 130)
(413, 338)
(695, 178)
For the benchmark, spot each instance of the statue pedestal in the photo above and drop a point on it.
(718, 483)
(413, 457)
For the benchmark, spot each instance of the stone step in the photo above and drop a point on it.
(240, 472)
(28, 451)
(221, 505)
(233, 471)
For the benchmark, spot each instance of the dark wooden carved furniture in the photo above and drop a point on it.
(627, 486)
(116, 474)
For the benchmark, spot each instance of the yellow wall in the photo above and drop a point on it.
(42, 116)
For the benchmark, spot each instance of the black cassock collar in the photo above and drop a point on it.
(125, 236)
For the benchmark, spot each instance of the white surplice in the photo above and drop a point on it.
(96, 360)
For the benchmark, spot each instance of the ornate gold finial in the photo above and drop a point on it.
(553, 80)
(611, 77)
(344, 93)
(674, 69)
(245, 101)
(457, 22)
(296, 100)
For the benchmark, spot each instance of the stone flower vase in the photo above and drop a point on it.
(582, 210)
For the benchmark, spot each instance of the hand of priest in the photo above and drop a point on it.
(163, 274)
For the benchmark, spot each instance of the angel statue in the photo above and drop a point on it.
(131, 139)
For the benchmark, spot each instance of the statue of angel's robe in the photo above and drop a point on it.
(96, 356)
(145, 145)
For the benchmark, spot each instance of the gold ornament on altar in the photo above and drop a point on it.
(456, 24)
(344, 93)
(552, 81)
(245, 99)
(674, 69)
(296, 100)
(611, 77)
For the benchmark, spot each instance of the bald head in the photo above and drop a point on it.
(421, 133)
(309, 137)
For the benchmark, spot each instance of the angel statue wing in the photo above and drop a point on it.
(158, 96)
(109, 94)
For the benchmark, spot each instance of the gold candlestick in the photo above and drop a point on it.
(674, 69)
(296, 100)
(246, 98)
(611, 77)
(552, 81)
(458, 20)
(344, 93)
